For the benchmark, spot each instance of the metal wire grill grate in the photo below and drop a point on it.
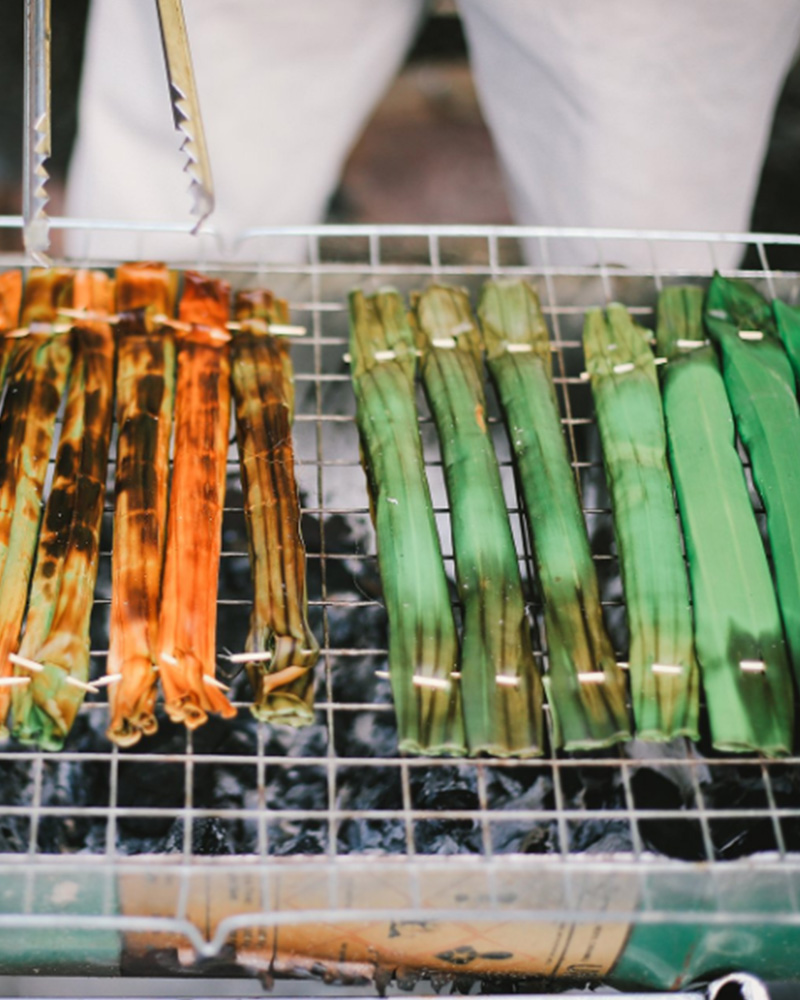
(641, 834)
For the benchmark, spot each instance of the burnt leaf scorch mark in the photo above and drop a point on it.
(57, 627)
(36, 367)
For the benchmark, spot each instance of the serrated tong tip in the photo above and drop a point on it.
(186, 108)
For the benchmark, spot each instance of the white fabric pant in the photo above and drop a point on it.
(611, 113)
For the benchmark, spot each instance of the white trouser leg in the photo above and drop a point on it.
(617, 114)
(284, 85)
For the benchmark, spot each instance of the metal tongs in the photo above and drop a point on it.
(185, 109)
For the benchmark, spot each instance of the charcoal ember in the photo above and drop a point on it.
(208, 837)
(71, 834)
(292, 837)
(17, 784)
(522, 789)
(365, 734)
(785, 781)
(741, 789)
(374, 789)
(343, 538)
(371, 836)
(300, 788)
(355, 681)
(15, 834)
(595, 788)
(369, 788)
(283, 741)
(446, 789)
(73, 786)
(677, 838)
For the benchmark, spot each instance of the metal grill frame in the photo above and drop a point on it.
(762, 889)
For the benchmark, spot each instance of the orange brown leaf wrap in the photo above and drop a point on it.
(57, 626)
(145, 396)
(187, 624)
(37, 366)
(10, 302)
(264, 395)
(10, 299)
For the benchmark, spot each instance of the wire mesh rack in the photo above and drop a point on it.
(322, 849)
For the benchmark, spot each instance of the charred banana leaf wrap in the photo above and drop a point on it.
(57, 625)
(14, 574)
(145, 397)
(188, 618)
(663, 669)
(585, 686)
(501, 688)
(761, 389)
(423, 645)
(10, 302)
(282, 676)
(37, 370)
(738, 633)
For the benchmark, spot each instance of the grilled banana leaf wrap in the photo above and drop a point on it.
(501, 688)
(585, 687)
(263, 389)
(67, 558)
(663, 668)
(761, 389)
(188, 618)
(787, 320)
(36, 374)
(739, 640)
(10, 302)
(145, 384)
(423, 644)
(14, 575)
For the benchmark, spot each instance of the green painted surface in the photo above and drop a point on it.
(69, 947)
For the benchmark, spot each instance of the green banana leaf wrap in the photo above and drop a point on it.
(36, 375)
(787, 320)
(263, 391)
(738, 633)
(761, 389)
(423, 645)
(662, 664)
(501, 688)
(57, 625)
(585, 687)
(145, 391)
